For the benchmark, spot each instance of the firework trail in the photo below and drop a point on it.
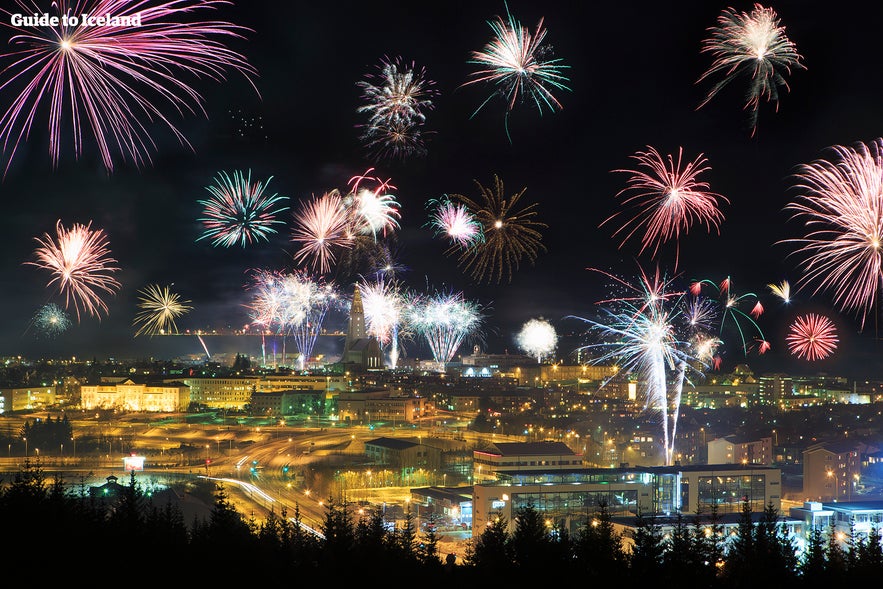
(396, 99)
(239, 211)
(110, 81)
(812, 337)
(515, 64)
(730, 312)
(841, 207)
(781, 290)
(50, 320)
(384, 302)
(511, 234)
(667, 200)
(204, 347)
(444, 320)
(755, 45)
(81, 266)
(537, 338)
(651, 336)
(454, 221)
(159, 307)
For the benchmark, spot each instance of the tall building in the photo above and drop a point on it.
(360, 351)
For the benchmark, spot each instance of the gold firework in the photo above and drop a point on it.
(159, 309)
(511, 234)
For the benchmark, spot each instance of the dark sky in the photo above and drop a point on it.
(633, 72)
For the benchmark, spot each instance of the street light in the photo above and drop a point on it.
(26, 447)
(832, 474)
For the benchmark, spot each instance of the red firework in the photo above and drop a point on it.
(812, 337)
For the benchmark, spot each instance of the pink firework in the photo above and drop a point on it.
(80, 265)
(841, 207)
(109, 82)
(812, 337)
(323, 227)
(666, 200)
(457, 223)
(372, 209)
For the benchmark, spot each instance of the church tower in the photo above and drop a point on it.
(360, 351)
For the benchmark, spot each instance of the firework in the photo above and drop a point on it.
(445, 320)
(812, 337)
(515, 64)
(841, 206)
(511, 234)
(537, 338)
(81, 266)
(667, 200)
(109, 81)
(383, 303)
(322, 226)
(755, 45)
(239, 211)
(454, 221)
(372, 210)
(51, 320)
(291, 304)
(781, 290)
(159, 307)
(647, 333)
(396, 99)
(730, 312)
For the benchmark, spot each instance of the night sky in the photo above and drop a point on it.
(633, 77)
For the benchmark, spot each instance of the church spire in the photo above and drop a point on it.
(356, 327)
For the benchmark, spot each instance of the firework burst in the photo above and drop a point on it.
(110, 81)
(511, 234)
(667, 200)
(396, 100)
(841, 206)
(372, 209)
(322, 227)
(754, 44)
(81, 266)
(537, 338)
(51, 321)
(444, 320)
(384, 302)
(812, 337)
(159, 307)
(516, 64)
(454, 221)
(239, 211)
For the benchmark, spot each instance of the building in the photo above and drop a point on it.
(361, 351)
(26, 398)
(380, 405)
(739, 450)
(510, 457)
(852, 519)
(131, 396)
(831, 471)
(569, 497)
(450, 507)
(402, 453)
(288, 402)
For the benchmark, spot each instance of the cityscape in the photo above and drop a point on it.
(452, 270)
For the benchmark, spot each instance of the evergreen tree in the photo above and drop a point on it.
(646, 554)
(813, 564)
(491, 553)
(598, 548)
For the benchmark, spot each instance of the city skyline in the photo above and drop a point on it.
(632, 83)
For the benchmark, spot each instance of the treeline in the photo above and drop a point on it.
(51, 527)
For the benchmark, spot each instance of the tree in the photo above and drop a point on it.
(598, 547)
(645, 557)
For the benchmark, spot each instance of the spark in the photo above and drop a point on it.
(454, 221)
(781, 290)
(444, 320)
(51, 320)
(322, 227)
